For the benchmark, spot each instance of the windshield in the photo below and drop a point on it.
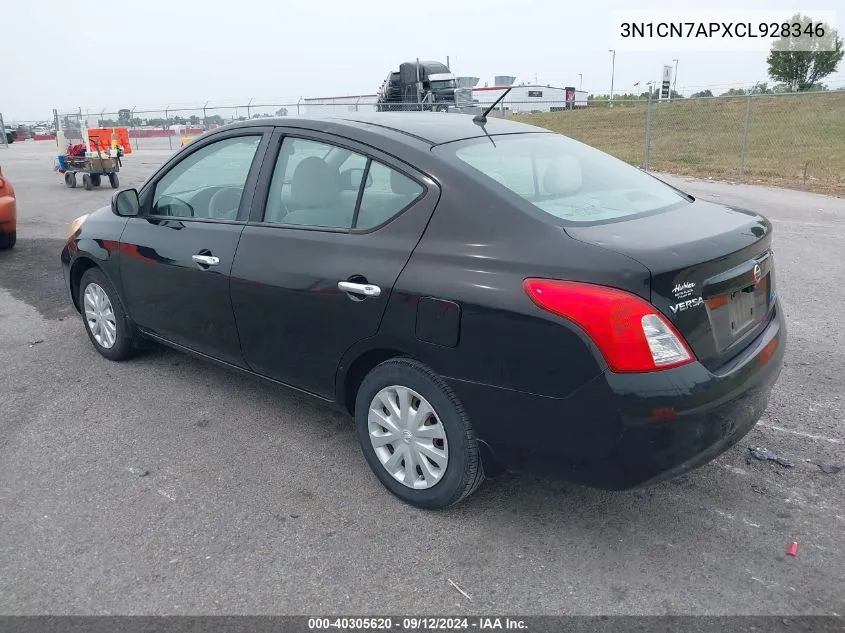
(445, 83)
(562, 177)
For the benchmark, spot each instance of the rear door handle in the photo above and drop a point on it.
(206, 260)
(368, 290)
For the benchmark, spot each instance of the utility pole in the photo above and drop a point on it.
(674, 79)
(580, 81)
(612, 74)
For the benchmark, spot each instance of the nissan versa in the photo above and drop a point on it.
(477, 294)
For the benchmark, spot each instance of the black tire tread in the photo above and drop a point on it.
(8, 240)
(474, 475)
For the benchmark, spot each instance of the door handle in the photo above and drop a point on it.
(206, 260)
(368, 290)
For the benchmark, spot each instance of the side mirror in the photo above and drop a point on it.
(125, 203)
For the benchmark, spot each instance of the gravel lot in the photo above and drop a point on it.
(167, 486)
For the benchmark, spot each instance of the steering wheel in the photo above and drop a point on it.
(224, 204)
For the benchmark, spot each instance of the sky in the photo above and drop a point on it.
(153, 53)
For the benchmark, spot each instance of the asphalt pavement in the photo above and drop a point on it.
(164, 485)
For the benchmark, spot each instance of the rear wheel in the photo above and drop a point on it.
(70, 179)
(7, 240)
(114, 181)
(416, 436)
(86, 182)
(103, 315)
(95, 180)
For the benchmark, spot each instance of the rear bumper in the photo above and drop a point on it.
(8, 214)
(626, 430)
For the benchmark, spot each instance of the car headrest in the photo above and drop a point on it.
(314, 184)
(399, 183)
(563, 176)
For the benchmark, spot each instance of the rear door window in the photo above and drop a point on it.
(320, 185)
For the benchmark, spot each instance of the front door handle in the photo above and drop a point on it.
(368, 290)
(206, 260)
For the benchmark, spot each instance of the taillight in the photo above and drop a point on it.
(629, 332)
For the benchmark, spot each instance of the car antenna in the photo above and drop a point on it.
(481, 119)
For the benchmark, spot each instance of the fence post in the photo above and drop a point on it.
(132, 127)
(647, 142)
(5, 141)
(167, 126)
(248, 108)
(744, 150)
(56, 125)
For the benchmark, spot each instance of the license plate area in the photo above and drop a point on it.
(735, 314)
(741, 310)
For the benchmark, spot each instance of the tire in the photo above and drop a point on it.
(121, 346)
(86, 182)
(114, 181)
(7, 240)
(70, 179)
(461, 471)
(95, 180)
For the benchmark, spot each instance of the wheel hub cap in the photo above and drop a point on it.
(408, 437)
(99, 315)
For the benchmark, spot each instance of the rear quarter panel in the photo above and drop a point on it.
(476, 252)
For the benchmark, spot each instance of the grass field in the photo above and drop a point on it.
(792, 141)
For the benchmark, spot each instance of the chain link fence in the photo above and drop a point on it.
(792, 140)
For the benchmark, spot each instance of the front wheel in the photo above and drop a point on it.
(114, 181)
(103, 315)
(416, 436)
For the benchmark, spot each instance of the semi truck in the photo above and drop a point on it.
(422, 85)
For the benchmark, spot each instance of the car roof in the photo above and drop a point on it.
(433, 128)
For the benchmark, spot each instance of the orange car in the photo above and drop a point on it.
(8, 213)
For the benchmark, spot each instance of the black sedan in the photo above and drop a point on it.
(478, 294)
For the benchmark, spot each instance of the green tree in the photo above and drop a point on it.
(802, 70)
(703, 93)
(282, 112)
(123, 116)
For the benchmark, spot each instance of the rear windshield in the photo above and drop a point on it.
(562, 177)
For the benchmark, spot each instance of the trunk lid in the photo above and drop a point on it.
(712, 272)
